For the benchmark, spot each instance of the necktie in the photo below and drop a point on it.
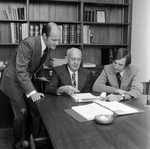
(43, 56)
(74, 80)
(118, 78)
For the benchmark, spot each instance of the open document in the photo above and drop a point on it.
(89, 111)
(84, 97)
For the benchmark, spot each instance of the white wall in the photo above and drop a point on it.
(140, 40)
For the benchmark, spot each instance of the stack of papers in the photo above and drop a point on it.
(89, 65)
(89, 111)
(84, 97)
(57, 62)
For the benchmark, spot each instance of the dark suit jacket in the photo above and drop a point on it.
(107, 81)
(16, 78)
(61, 77)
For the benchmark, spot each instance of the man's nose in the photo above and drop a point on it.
(116, 65)
(76, 60)
(57, 43)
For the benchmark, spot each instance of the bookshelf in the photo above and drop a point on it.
(97, 39)
(110, 28)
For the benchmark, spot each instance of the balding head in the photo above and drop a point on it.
(74, 56)
(49, 28)
(74, 52)
(51, 34)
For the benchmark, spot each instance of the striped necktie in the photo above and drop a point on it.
(74, 80)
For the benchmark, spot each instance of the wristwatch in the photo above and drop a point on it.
(123, 96)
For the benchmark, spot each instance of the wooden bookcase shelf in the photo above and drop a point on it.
(102, 38)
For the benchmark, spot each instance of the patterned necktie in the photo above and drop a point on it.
(118, 78)
(74, 80)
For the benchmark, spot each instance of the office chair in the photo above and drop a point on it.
(146, 91)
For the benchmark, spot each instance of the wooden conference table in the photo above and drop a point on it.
(126, 132)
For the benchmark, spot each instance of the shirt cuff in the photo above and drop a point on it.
(31, 93)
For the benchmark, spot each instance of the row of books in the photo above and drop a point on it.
(89, 16)
(13, 13)
(57, 62)
(95, 16)
(71, 33)
(19, 31)
(86, 34)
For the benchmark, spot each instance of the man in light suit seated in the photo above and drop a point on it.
(130, 85)
(62, 82)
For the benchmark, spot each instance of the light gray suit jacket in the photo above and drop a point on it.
(107, 81)
(16, 78)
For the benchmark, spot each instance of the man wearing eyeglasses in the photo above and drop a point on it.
(71, 77)
(17, 84)
(120, 80)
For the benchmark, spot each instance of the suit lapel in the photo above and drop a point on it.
(112, 79)
(125, 78)
(37, 52)
(81, 79)
(66, 75)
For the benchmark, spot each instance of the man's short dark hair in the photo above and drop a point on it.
(122, 53)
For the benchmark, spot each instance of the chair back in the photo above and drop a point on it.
(146, 90)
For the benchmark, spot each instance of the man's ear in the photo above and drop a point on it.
(44, 36)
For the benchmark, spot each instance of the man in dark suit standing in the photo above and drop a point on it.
(17, 77)
(71, 77)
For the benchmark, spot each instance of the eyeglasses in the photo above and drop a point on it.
(118, 64)
(76, 59)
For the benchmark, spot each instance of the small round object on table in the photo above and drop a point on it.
(104, 118)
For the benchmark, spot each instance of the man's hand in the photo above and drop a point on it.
(36, 96)
(119, 91)
(68, 89)
(113, 97)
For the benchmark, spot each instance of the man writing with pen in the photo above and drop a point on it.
(71, 77)
(120, 80)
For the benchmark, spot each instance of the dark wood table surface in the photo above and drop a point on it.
(126, 132)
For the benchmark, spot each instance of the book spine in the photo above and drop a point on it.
(22, 13)
(92, 16)
(65, 36)
(8, 15)
(10, 12)
(12, 33)
(72, 33)
(19, 13)
(85, 32)
(26, 30)
(78, 33)
(20, 32)
(17, 32)
(85, 15)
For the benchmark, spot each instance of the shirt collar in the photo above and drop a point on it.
(43, 44)
(71, 73)
(122, 72)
